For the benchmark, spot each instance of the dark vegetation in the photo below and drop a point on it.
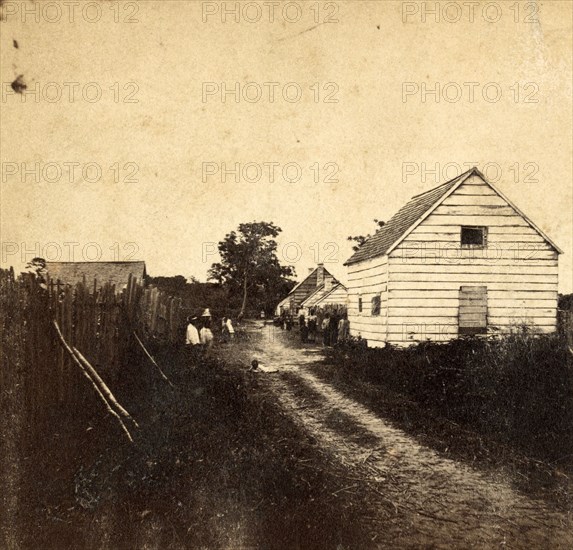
(196, 296)
(248, 279)
(215, 463)
(565, 302)
(517, 391)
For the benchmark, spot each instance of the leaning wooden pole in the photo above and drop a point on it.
(104, 387)
(89, 378)
(153, 361)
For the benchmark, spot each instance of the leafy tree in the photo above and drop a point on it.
(195, 295)
(250, 267)
(169, 284)
(37, 267)
(361, 239)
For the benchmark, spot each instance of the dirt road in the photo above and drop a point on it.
(419, 498)
(281, 460)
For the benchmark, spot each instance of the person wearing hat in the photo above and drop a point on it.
(206, 335)
(192, 340)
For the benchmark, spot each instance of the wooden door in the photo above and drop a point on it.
(473, 310)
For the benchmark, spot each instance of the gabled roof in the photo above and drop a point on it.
(415, 211)
(312, 273)
(284, 301)
(386, 236)
(314, 294)
(334, 288)
(116, 273)
(315, 297)
(321, 293)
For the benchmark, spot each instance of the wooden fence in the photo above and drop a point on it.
(161, 317)
(100, 321)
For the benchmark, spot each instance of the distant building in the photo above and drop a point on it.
(316, 281)
(330, 293)
(456, 260)
(283, 305)
(116, 273)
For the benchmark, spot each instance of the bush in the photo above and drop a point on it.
(518, 389)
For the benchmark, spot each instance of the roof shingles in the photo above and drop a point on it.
(398, 225)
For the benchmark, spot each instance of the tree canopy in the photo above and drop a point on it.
(37, 267)
(250, 267)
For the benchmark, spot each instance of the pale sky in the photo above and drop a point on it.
(383, 145)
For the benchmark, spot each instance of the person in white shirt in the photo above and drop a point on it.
(230, 328)
(192, 340)
(206, 337)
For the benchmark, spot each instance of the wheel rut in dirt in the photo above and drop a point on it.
(420, 495)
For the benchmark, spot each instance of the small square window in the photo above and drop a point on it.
(474, 236)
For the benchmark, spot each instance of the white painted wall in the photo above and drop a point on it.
(419, 282)
(427, 269)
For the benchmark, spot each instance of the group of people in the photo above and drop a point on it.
(199, 336)
(308, 325)
(334, 326)
(285, 321)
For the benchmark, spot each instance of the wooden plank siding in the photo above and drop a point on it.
(339, 296)
(368, 279)
(298, 295)
(428, 268)
(312, 283)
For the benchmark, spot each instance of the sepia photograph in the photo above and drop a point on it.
(286, 274)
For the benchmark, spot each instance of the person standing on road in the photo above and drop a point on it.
(300, 318)
(312, 325)
(206, 336)
(230, 328)
(192, 340)
(343, 328)
(333, 328)
(302, 326)
(224, 331)
(326, 330)
(304, 331)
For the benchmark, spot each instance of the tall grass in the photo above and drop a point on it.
(518, 389)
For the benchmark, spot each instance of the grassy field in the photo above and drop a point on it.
(503, 403)
(216, 464)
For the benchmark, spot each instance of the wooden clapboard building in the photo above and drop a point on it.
(331, 293)
(456, 260)
(315, 282)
